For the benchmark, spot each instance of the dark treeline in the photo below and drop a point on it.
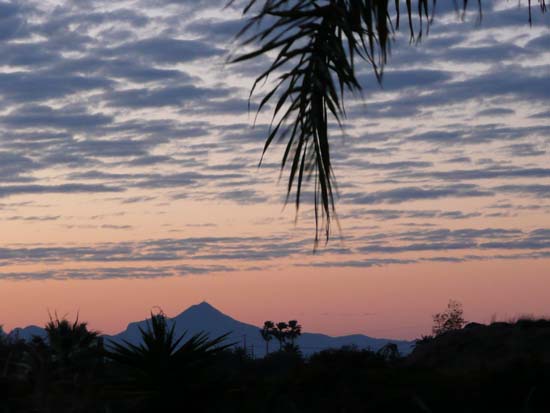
(503, 367)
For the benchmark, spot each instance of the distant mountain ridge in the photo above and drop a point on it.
(204, 317)
(28, 332)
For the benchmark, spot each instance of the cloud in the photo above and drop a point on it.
(496, 112)
(40, 116)
(167, 50)
(13, 165)
(11, 190)
(159, 250)
(366, 263)
(525, 149)
(487, 173)
(387, 249)
(33, 218)
(167, 256)
(168, 96)
(131, 101)
(399, 80)
(399, 195)
(392, 214)
(142, 272)
(220, 30)
(244, 196)
(12, 23)
(26, 87)
(537, 190)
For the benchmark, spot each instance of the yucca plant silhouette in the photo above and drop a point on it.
(165, 371)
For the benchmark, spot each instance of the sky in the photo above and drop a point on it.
(129, 174)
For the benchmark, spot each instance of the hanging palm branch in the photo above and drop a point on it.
(314, 45)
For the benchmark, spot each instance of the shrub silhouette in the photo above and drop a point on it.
(451, 319)
(502, 367)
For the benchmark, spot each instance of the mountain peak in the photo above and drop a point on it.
(202, 308)
(204, 304)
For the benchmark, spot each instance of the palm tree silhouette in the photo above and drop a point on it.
(294, 331)
(63, 369)
(280, 333)
(315, 45)
(70, 342)
(267, 334)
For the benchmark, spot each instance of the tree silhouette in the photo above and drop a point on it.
(285, 333)
(267, 334)
(389, 352)
(449, 320)
(70, 342)
(508, 361)
(62, 370)
(280, 333)
(294, 331)
(314, 46)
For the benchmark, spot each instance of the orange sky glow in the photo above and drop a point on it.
(395, 302)
(129, 175)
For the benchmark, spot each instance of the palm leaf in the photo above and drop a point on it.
(315, 44)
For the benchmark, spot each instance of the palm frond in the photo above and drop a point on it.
(314, 45)
(160, 349)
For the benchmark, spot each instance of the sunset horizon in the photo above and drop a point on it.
(274, 206)
(130, 173)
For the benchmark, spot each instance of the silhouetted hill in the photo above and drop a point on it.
(502, 367)
(486, 346)
(204, 317)
(27, 333)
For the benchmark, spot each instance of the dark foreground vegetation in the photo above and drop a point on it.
(502, 367)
